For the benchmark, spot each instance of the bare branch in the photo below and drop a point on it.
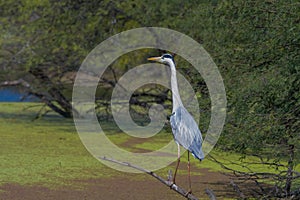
(210, 194)
(259, 178)
(15, 83)
(168, 183)
(237, 189)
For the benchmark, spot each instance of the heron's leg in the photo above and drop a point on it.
(189, 174)
(178, 161)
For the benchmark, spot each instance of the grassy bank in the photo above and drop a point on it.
(48, 151)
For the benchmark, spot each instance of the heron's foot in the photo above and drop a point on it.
(188, 192)
(173, 182)
(171, 185)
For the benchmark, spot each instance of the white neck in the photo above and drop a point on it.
(175, 92)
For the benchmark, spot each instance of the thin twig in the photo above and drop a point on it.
(171, 185)
(210, 194)
(237, 189)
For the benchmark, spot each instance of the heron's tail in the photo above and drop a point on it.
(198, 154)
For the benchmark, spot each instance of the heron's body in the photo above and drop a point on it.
(186, 132)
(184, 128)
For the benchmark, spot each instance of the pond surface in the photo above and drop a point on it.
(15, 94)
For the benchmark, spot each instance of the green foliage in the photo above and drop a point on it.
(262, 66)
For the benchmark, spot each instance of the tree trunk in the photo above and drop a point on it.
(289, 176)
(64, 107)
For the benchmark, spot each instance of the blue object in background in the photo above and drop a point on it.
(13, 94)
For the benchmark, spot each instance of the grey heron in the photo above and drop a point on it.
(184, 128)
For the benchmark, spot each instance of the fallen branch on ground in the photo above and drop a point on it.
(210, 194)
(168, 183)
(237, 189)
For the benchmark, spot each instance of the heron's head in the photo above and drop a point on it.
(164, 59)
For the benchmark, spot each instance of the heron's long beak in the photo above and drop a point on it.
(154, 58)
